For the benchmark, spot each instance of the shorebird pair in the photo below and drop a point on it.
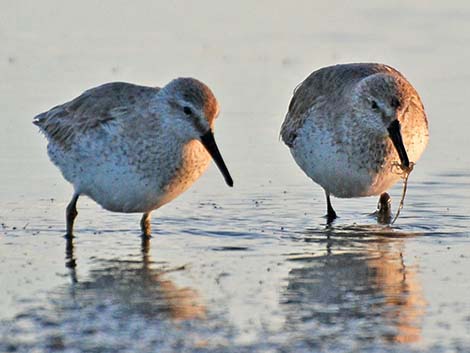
(133, 148)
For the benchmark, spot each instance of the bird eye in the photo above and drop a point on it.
(187, 111)
(395, 103)
(374, 105)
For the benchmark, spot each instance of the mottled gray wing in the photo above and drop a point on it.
(325, 86)
(92, 109)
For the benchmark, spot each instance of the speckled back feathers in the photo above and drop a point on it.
(92, 110)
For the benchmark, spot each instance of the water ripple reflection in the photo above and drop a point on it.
(360, 288)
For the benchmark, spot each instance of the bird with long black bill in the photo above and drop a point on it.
(349, 126)
(133, 148)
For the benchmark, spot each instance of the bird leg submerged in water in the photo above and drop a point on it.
(70, 215)
(384, 209)
(145, 225)
(384, 206)
(331, 214)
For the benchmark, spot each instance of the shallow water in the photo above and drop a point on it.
(253, 268)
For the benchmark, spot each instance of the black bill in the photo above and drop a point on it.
(209, 143)
(395, 135)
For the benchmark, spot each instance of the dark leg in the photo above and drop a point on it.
(331, 214)
(145, 251)
(70, 215)
(145, 224)
(384, 209)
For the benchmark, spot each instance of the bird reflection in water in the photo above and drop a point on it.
(136, 286)
(404, 303)
(361, 288)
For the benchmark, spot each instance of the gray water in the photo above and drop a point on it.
(248, 269)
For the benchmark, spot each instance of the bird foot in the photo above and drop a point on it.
(330, 217)
(384, 209)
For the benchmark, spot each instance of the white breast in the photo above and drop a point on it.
(333, 161)
(131, 177)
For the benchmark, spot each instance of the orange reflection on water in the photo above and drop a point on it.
(139, 286)
(183, 303)
(404, 300)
